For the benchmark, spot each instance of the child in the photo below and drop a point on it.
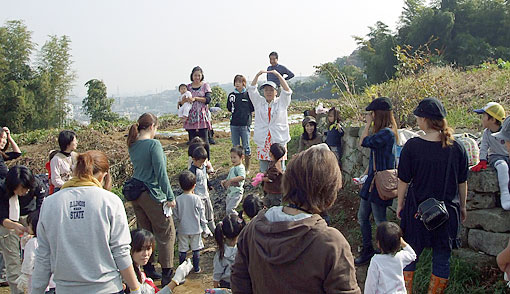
(235, 180)
(189, 211)
(335, 133)
(199, 169)
(183, 107)
(142, 245)
(27, 267)
(273, 176)
(310, 136)
(194, 144)
(385, 273)
(251, 207)
(62, 163)
(226, 235)
(493, 150)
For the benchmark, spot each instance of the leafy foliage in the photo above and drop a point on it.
(218, 96)
(97, 105)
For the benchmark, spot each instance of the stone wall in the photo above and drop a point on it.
(355, 158)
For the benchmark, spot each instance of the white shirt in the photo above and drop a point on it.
(279, 125)
(385, 273)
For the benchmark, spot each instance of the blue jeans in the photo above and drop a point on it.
(241, 133)
(440, 262)
(365, 209)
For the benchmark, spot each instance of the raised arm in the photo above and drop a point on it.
(283, 82)
(256, 78)
(15, 147)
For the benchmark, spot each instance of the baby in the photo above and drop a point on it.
(183, 107)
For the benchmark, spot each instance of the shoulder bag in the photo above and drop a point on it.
(386, 182)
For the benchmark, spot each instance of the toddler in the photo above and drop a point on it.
(235, 180)
(183, 107)
(251, 207)
(199, 169)
(273, 176)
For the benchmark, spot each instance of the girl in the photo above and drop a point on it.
(6, 140)
(226, 234)
(273, 176)
(310, 135)
(251, 207)
(382, 157)
(271, 118)
(432, 165)
(62, 163)
(335, 133)
(149, 164)
(142, 245)
(385, 271)
(27, 267)
(93, 253)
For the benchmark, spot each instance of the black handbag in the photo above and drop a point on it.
(433, 212)
(133, 188)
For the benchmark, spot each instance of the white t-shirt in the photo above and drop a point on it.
(186, 107)
(385, 273)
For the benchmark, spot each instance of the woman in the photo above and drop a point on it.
(381, 142)
(149, 164)
(20, 194)
(290, 249)
(6, 140)
(83, 234)
(62, 163)
(422, 172)
(310, 135)
(271, 124)
(198, 122)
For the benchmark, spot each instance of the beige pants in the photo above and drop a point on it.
(9, 245)
(150, 216)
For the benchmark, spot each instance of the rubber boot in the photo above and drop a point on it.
(437, 285)
(182, 257)
(247, 164)
(408, 280)
(151, 272)
(366, 255)
(167, 274)
(196, 261)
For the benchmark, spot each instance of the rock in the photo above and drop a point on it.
(353, 131)
(494, 220)
(485, 181)
(478, 259)
(480, 200)
(487, 242)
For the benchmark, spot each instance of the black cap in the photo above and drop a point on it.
(430, 108)
(381, 103)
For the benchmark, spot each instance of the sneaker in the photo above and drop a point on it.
(198, 271)
(151, 272)
(167, 278)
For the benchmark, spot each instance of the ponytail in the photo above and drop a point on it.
(145, 121)
(93, 162)
(220, 239)
(445, 132)
(229, 228)
(84, 166)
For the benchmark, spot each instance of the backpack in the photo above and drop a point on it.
(472, 149)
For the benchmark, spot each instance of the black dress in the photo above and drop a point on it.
(423, 165)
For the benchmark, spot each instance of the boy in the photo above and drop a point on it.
(199, 169)
(493, 150)
(235, 180)
(273, 60)
(189, 211)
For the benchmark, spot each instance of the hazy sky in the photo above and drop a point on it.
(139, 47)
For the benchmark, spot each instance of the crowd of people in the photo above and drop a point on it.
(76, 238)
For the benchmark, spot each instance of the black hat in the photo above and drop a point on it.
(381, 103)
(430, 108)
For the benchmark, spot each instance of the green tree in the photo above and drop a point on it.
(16, 44)
(218, 95)
(13, 105)
(97, 105)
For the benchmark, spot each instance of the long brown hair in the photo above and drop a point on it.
(385, 119)
(93, 162)
(145, 121)
(2, 152)
(445, 132)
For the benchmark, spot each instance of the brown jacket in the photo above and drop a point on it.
(305, 144)
(303, 256)
(273, 187)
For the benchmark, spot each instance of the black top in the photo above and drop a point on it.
(3, 167)
(423, 165)
(28, 203)
(241, 107)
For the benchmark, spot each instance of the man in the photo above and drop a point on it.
(285, 72)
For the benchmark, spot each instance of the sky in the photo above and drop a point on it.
(142, 47)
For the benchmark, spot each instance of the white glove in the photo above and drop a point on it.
(167, 209)
(182, 271)
(137, 291)
(207, 232)
(22, 283)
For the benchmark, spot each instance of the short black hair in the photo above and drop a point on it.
(186, 180)
(490, 116)
(199, 153)
(32, 220)
(183, 85)
(19, 175)
(252, 204)
(388, 235)
(196, 68)
(65, 138)
(277, 150)
(273, 54)
(237, 150)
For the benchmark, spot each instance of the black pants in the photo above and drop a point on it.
(202, 133)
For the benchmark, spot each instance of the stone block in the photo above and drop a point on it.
(493, 220)
(478, 259)
(487, 242)
(480, 200)
(353, 131)
(485, 181)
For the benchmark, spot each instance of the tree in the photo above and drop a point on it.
(16, 44)
(218, 95)
(97, 105)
